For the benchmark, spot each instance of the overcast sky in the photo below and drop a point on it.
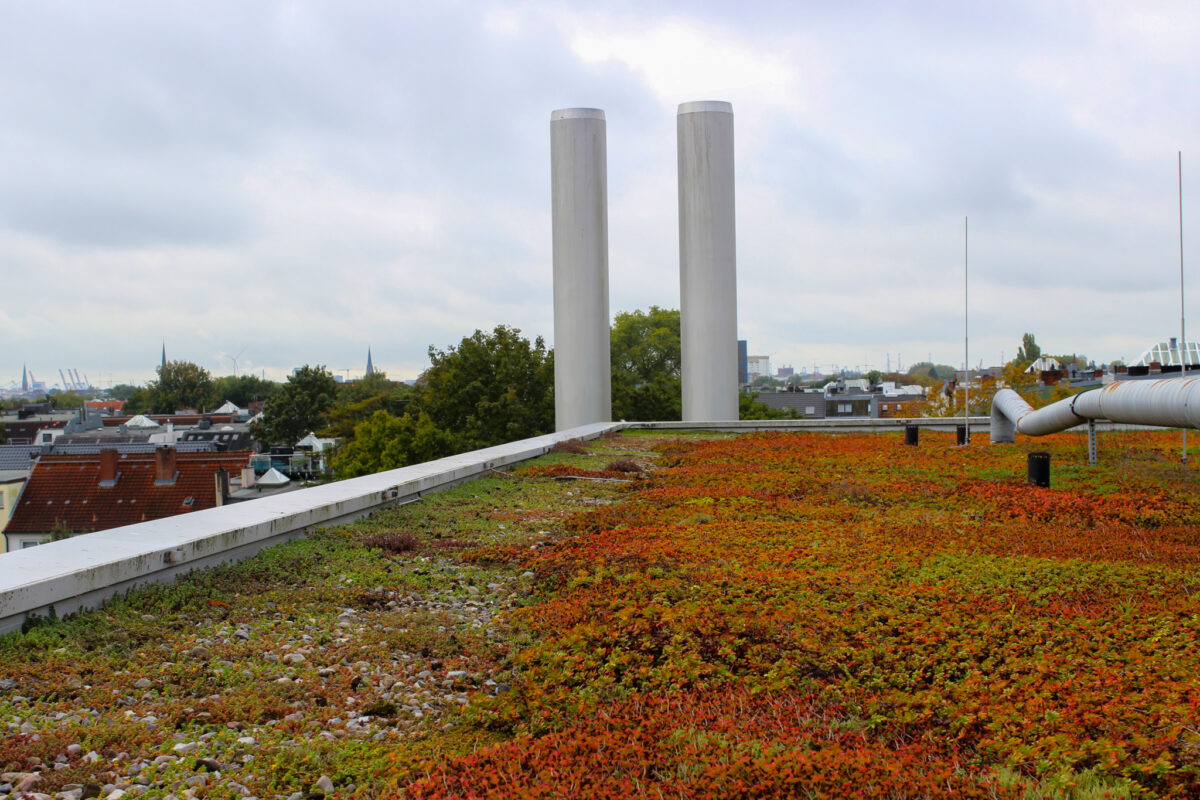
(294, 182)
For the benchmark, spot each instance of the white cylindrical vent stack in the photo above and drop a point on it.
(579, 200)
(707, 262)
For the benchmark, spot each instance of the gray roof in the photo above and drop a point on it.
(18, 456)
(21, 456)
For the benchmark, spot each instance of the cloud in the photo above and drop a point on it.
(301, 181)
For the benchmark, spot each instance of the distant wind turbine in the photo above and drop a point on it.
(234, 360)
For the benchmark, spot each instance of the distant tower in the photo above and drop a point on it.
(164, 354)
(24, 379)
(370, 366)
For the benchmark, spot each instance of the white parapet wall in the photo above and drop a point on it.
(67, 576)
(71, 575)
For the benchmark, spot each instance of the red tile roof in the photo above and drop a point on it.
(112, 406)
(65, 490)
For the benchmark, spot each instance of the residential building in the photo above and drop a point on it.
(11, 483)
(757, 367)
(809, 405)
(852, 403)
(901, 405)
(70, 494)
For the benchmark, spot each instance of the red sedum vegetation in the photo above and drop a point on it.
(844, 616)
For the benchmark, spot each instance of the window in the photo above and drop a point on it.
(884, 407)
(29, 543)
(843, 408)
(47, 437)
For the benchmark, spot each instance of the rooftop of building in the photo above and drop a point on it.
(71, 492)
(788, 611)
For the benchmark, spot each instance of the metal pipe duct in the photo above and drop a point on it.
(579, 200)
(707, 262)
(1170, 402)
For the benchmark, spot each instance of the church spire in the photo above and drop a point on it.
(24, 379)
(370, 366)
(164, 353)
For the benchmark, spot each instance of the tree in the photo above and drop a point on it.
(492, 388)
(646, 354)
(123, 391)
(298, 407)
(750, 408)
(180, 384)
(645, 344)
(242, 389)
(1029, 351)
(934, 372)
(657, 399)
(387, 442)
(65, 400)
(138, 402)
(764, 383)
(357, 401)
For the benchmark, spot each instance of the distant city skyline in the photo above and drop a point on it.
(292, 182)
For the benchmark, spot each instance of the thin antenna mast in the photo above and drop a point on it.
(1182, 323)
(966, 344)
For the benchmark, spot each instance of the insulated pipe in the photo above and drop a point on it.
(1169, 402)
(707, 262)
(579, 201)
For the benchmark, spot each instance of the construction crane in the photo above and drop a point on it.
(63, 378)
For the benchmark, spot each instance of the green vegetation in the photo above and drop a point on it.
(387, 442)
(646, 355)
(1029, 351)
(298, 408)
(241, 390)
(180, 384)
(750, 616)
(491, 388)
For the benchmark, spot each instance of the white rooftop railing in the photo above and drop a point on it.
(63, 577)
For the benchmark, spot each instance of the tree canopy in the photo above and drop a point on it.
(241, 390)
(298, 408)
(646, 355)
(180, 384)
(357, 401)
(387, 442)
(927, 369)
(491, 388)
(66, 400)
(1029, 351)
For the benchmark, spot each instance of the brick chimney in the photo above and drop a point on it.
(164, 466)
(109, 460)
